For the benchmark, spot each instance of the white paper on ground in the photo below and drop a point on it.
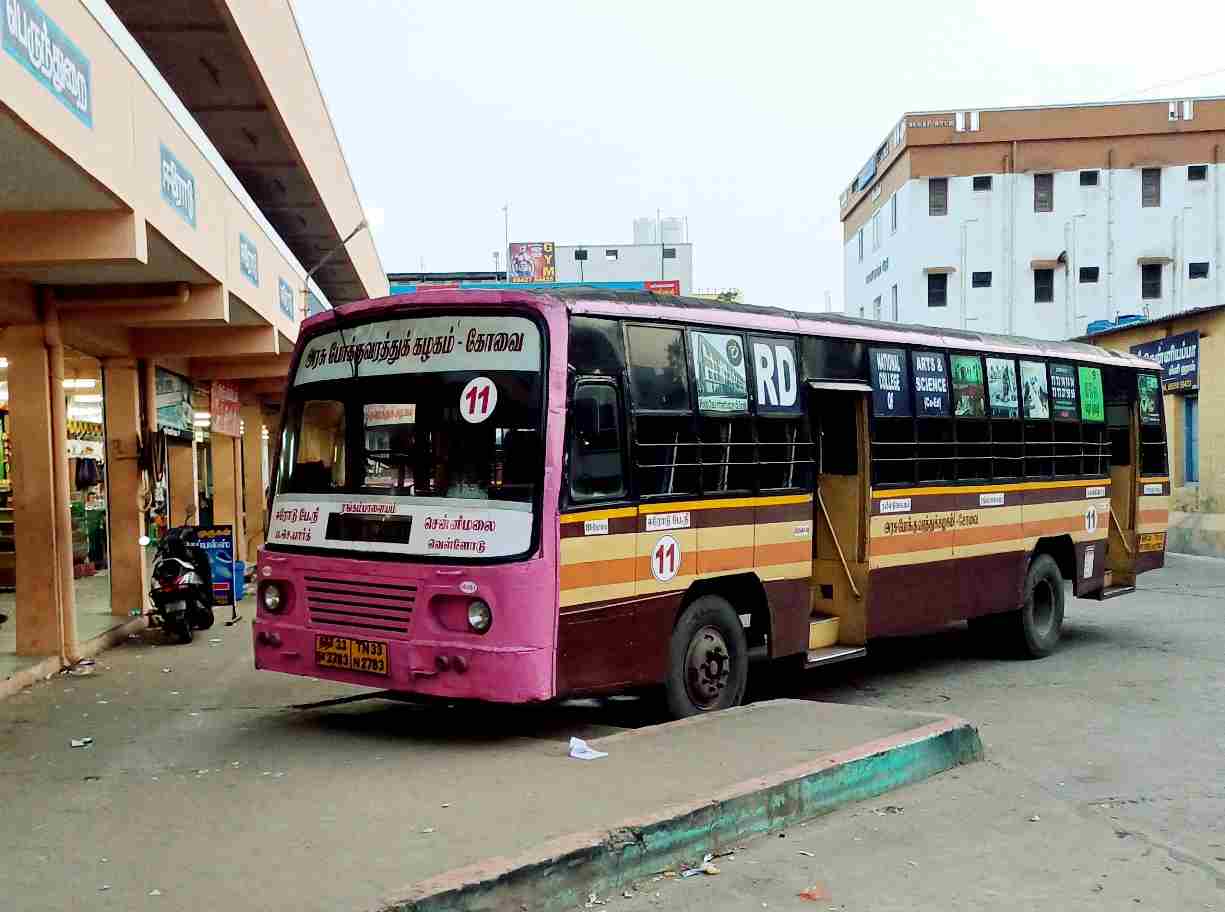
(580, 750)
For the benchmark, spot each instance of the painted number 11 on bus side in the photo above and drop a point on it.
(666, 558)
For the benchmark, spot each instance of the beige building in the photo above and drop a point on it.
(170, 175)
(1191, 348)
(1039, 221)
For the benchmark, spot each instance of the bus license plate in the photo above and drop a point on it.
(1152, 541)
(350, 654)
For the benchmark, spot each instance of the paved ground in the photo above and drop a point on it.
(1116, 744)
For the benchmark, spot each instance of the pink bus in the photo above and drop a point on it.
(519, 496)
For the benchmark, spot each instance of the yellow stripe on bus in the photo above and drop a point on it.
(985, 489)
(690, 505)
(615, 513)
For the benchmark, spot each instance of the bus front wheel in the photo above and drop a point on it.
(708, 659)
(1034, 630)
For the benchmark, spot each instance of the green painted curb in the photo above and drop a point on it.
(607, 865)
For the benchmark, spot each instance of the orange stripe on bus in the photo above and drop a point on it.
(597, 573)
(783, 553)
(900, 544)
(1148, 517)
(717, 559)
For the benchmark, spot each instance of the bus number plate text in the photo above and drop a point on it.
(350, 654)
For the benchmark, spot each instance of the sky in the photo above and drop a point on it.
(748, 119)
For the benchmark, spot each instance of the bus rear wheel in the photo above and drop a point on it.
(708, 659)
(1034, 630)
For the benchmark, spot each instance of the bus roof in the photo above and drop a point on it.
(645, 305)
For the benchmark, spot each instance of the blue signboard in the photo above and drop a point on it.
(36, 42)
(248, 259)
(218, 543)
(178, 187)
(285, 297)
(1179, 359)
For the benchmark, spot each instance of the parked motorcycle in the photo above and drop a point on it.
(182, 588)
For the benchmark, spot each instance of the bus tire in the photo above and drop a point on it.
(1034, 630)
(708, 659)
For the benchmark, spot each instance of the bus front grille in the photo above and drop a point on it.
(360, 606)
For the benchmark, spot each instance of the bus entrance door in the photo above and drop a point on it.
(839, 416)
(1120, 577)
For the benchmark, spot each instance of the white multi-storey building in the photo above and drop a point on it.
(1039, 221)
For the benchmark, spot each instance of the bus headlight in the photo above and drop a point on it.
(480, 616)
(272, 598)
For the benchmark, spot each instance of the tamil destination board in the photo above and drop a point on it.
(1179, 359)
(46, 53)
(890, 383)
(718, 368)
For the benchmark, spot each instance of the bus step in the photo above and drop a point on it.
(1110, 592)
(831, 654)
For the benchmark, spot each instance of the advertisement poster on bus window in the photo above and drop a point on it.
(1002, 387)
(1063, 392)
(1150, 398)
(931, 384)
(533, 262)
(718, 368)
(969, 398)
(778, 382)
(1035, 393)
(1092, 402)
(890, 382)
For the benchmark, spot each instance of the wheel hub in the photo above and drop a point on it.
(707, 667)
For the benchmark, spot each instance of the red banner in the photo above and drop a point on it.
(662, 287)
(225, 409)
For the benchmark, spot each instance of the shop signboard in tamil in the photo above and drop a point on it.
(33, 39)
(225, 409)
(248, 259)
(218, 543)
(1063, 392)
(1179, 359)
(178, 186)
(533, 262)
(284, 296)
(931, 383)
(718, 369)
(890, 382)
(174, 412)
(663, 286)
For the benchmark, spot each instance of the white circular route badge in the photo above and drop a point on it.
(666, 558)
(478, 399)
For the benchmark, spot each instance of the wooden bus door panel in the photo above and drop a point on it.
(1124, 488)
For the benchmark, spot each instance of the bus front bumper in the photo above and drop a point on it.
(461, 670)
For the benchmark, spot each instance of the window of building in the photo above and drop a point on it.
(938, 196)
(876, 308)
(1044, 193)
(669, 253)
(894, 314)
(1044, 286)
(937, 289)
(1197, 172)
(1088, 275)
(610, 254)
(1198, 271)
(1150, 281)
(893, 214)
(982, 182)
(876, 231)
(1088, 178)
(1150, 187)
(859, 235)
(580, 254)
(980, 280)
(1190, 421)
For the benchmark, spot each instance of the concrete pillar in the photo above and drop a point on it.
(121, 382)
(227, 485)
(182, 482)
(252, 480)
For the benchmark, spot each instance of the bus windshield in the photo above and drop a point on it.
(415, 436)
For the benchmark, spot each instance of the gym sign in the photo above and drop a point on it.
(50, 56)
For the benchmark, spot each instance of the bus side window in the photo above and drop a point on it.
(596, 469)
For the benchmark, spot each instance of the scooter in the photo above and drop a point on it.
(182, 589)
